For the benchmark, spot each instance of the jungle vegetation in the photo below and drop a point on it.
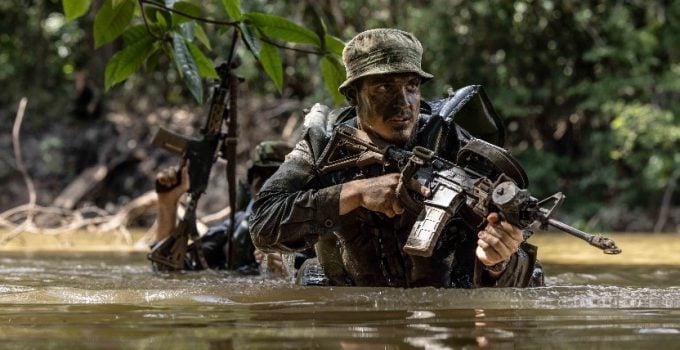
(589, 90)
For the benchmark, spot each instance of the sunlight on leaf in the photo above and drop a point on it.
(271, 62)
(111, 21)
(333, 75)
(334, 45)
(233, 8)
(201, 36)
(75, 8)
(127, 61)
(206, 68)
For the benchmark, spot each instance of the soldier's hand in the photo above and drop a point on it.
(379, 194)
(171, 184)
(498, 241)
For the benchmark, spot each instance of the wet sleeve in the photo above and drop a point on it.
(291, 211)
(522, 271)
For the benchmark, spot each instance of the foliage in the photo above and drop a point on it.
(589, 90)
(177, 27)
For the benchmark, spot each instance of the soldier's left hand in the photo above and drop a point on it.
(498, 241)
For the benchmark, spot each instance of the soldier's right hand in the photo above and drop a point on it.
(171, 184)
(376, 194)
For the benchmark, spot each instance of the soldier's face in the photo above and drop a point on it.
(388, 105)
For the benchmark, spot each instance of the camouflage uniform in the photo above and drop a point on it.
(298, 208)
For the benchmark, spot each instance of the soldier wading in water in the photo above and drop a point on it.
(354, 219)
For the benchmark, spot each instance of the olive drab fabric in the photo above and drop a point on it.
(270, 154)
(382, 51)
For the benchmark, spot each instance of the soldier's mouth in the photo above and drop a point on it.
(399, 120)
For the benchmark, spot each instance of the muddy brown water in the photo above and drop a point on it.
(111, 300)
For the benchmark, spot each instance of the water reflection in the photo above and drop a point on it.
(114, 301)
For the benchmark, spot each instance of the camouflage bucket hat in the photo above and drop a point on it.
(382, 51)
(270, 154)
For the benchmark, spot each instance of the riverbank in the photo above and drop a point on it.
(553, 248)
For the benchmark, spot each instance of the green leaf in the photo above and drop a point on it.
(252, 41)
(280, 28)
(187, 67)
(205, 66)
(163, 19)
(153, 14)
(201, 36)
(126, 61)
(334, 44)
(271, 62)
(333, 75)
(75, 8)
(152, 61)
(111, 21)
(184, 7)
(134, 34)
(233, 8)
(187, 31)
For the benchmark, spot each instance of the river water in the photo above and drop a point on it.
(108, 300)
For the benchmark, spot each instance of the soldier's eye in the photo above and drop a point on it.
(382, 88)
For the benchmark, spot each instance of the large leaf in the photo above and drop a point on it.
(280, 28)
(205, 66)
(233, 8)
(187, 31)
(134, 34)
(184, 7)
(111, 21)
(252, 42)
(75, 8)
(271, 62)
(333, 75)
(126, 61)
(334, 44)
(187, 67)
(201, 36)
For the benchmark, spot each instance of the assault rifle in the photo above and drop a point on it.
(484, 179)
(169, 254)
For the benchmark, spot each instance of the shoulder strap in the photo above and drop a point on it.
(471, 108)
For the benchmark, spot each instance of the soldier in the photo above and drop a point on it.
(245, 258)
(355, 219)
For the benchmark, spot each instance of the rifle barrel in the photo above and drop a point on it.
(607, 245)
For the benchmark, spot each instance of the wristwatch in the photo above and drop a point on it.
(497, 267)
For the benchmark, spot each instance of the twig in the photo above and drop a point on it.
(200, 19)
(666, 201)
(20, 166)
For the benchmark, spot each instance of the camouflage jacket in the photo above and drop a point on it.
(298, 208)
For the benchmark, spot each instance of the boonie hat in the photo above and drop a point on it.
(270, 154)
(382, 51)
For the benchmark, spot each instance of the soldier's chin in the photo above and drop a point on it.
(401, 135)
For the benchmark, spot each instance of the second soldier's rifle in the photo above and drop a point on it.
(484, 179)
(169, 254)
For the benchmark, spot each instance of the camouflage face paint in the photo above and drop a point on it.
(388, 106)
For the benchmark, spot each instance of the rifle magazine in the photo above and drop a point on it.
(426, 231)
